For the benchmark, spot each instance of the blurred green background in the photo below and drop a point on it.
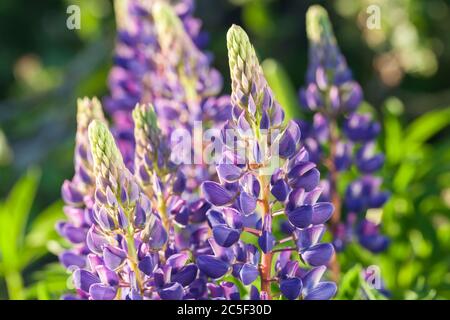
(403, 68)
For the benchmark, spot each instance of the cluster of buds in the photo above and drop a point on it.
(274, 180)
(334, 98)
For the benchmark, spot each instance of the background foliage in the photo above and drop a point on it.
(403, 68)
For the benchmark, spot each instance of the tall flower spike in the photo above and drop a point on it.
(125, 235)
(189, 76)
(158, 176)
(148, 156)
(334, 97)
(78, 194)
(253, 192)
(158, 60)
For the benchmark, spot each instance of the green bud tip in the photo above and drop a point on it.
(240, 50)
(318, 26)
(166, 20)
(103, 146)
(88, 110)
(145, 115)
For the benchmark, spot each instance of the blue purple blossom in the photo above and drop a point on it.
(341, 137)
(249, 192)
(158, 60)
(139, 224)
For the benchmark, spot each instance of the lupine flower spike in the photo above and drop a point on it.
(159, 177)
(78, 194)
(274, 181)
(158, 60)
(125, 232)
(334, 97)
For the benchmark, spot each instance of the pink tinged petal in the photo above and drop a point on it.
(334, 98)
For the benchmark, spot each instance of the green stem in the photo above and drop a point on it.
(14, 284)
(265, 268)
(132, 257)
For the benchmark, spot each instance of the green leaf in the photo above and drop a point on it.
(426, 126)
(41, 232)
(371, 293)
(350, 284)
(42, 229)
(393, 137)
(14, 213)
(20, 201)
(282, 87)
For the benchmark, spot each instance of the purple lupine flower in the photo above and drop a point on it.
(78, 193)
(334, 97)
(125, 235)
(158, 61)
(164, 183)
(159, 177)
(253, 191)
